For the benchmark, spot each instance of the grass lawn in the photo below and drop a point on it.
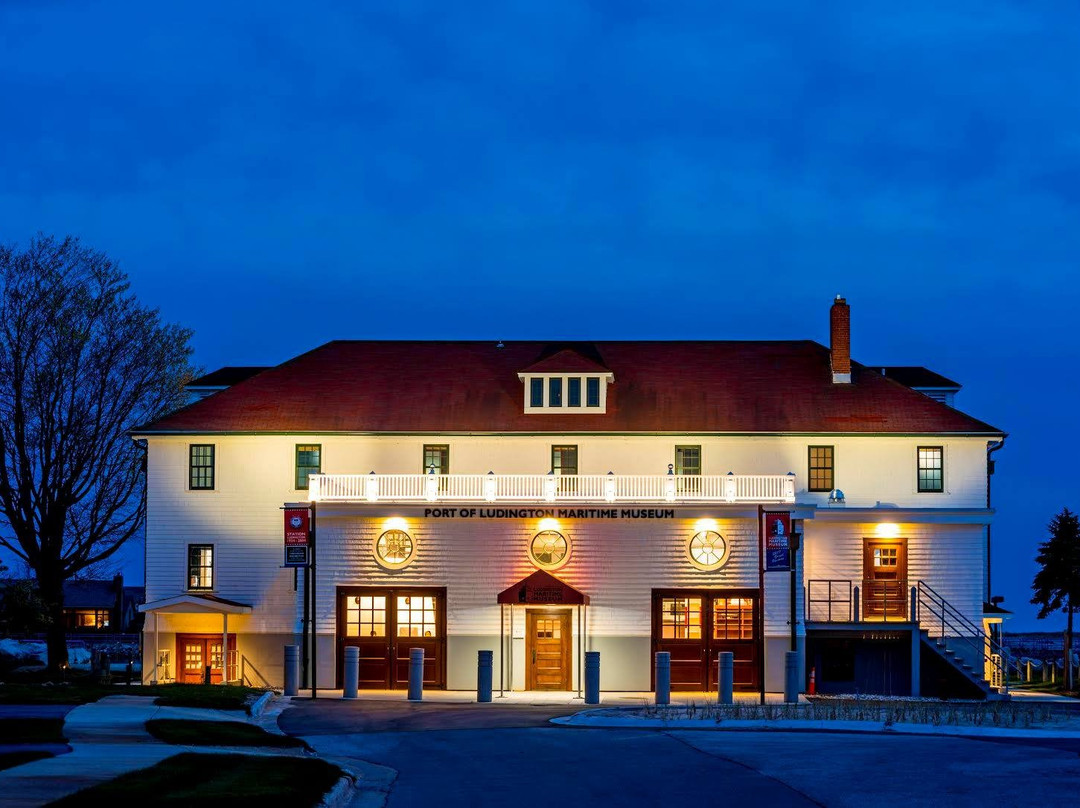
(217, 733)
(32, 730)
(9, 760)
(209, 781)
(218, 697)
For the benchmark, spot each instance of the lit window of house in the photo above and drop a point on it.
(200, 566)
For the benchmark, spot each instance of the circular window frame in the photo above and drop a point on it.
(562, 562)
(694, 562)
(393, 565)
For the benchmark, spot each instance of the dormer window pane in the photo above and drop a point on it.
(592, 392)
(573, 392)
(536, 392)
(554, 392)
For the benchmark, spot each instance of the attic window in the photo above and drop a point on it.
(562, 393)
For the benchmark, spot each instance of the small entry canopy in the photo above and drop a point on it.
(543, 588)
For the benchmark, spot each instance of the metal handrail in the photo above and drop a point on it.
(952, 619)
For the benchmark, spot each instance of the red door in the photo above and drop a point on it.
(694, 626)
(386, 624)
(194, 652)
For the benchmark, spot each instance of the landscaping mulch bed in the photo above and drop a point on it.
(82, 691)
(215, 781)
(184, 732)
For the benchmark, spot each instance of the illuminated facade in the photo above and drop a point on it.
(538, 500)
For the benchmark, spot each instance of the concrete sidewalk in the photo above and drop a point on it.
(614, 698)
(108, 739)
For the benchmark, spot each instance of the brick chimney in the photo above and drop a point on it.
(840, 341)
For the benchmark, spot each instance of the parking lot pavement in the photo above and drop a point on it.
(498, 755)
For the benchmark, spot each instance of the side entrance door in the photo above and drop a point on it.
(884, 592)
(385, 624)
(547, 649)
(195, 651)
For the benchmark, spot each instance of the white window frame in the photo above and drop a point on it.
(565, 408)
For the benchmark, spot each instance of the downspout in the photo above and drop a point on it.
(991, 447)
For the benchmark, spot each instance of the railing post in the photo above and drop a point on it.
(352, 672)
(416, 674)
(484, 664)
(914, 605)
(592, 677)
(663, 677)
(856, 605)
(292, 669)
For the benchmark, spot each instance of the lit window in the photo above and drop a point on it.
(688, 464)
(365, 616)
(820, 461)
(707, 550)
(592, 392)
(680, 618)
(733, 618)
(931, 469)
(92, 618)
(394, 549)
(308, 461)
(573, 392)
(564, 459)
(549, 549)
(554, 392)
(201, 466)
(200, 566)
(436, 457)
(416, 616)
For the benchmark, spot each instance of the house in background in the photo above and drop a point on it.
(102, 606)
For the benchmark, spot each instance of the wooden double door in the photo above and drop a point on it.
(548, 649)
(194, 652)
(385, 624)
(694, 626)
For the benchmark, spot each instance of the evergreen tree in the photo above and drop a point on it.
(1057, 583)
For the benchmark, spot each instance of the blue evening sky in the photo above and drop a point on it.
(276, 175)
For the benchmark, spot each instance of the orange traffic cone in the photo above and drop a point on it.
(812, 690)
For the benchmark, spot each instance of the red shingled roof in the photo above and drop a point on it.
(440, 387)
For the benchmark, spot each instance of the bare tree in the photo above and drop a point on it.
(81, 362)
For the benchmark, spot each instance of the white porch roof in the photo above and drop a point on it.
(195, 604)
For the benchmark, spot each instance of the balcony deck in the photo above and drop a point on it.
(548, 488)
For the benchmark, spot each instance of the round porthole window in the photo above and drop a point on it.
(394, 549)
(549, 549)
(707, 550)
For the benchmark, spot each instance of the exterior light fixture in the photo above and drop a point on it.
(836, 497)
(729, 487)
(489, 486)
(669, 484)
(550, 484)
(371, 487)
(887, 530)
(609, 487)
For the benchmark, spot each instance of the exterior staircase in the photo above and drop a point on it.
(956, 642)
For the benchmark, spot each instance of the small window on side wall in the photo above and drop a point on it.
(931, 473)
(308, 461)
(201, 467)
(200, 566)
(573, 392)
(536, 392)
(592, 392)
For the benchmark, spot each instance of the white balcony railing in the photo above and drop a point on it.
(726, 488)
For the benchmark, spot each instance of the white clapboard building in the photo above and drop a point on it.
(544, 499)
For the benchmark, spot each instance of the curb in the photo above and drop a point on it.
(260, 703)
(341, 794)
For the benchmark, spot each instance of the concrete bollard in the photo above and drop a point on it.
(725, 663)
(292, 670)
(352, 672)
(791, 677)
(485, 661)
(1028, 664)
(592, 677)
(663, 677)
(416, 674)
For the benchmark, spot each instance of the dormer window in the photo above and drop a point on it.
(550, 393)
(567, 380)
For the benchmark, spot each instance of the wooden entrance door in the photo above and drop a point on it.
(195, 651)
(884, 594)
(547, 649)
(694, 626)
(386, 624)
